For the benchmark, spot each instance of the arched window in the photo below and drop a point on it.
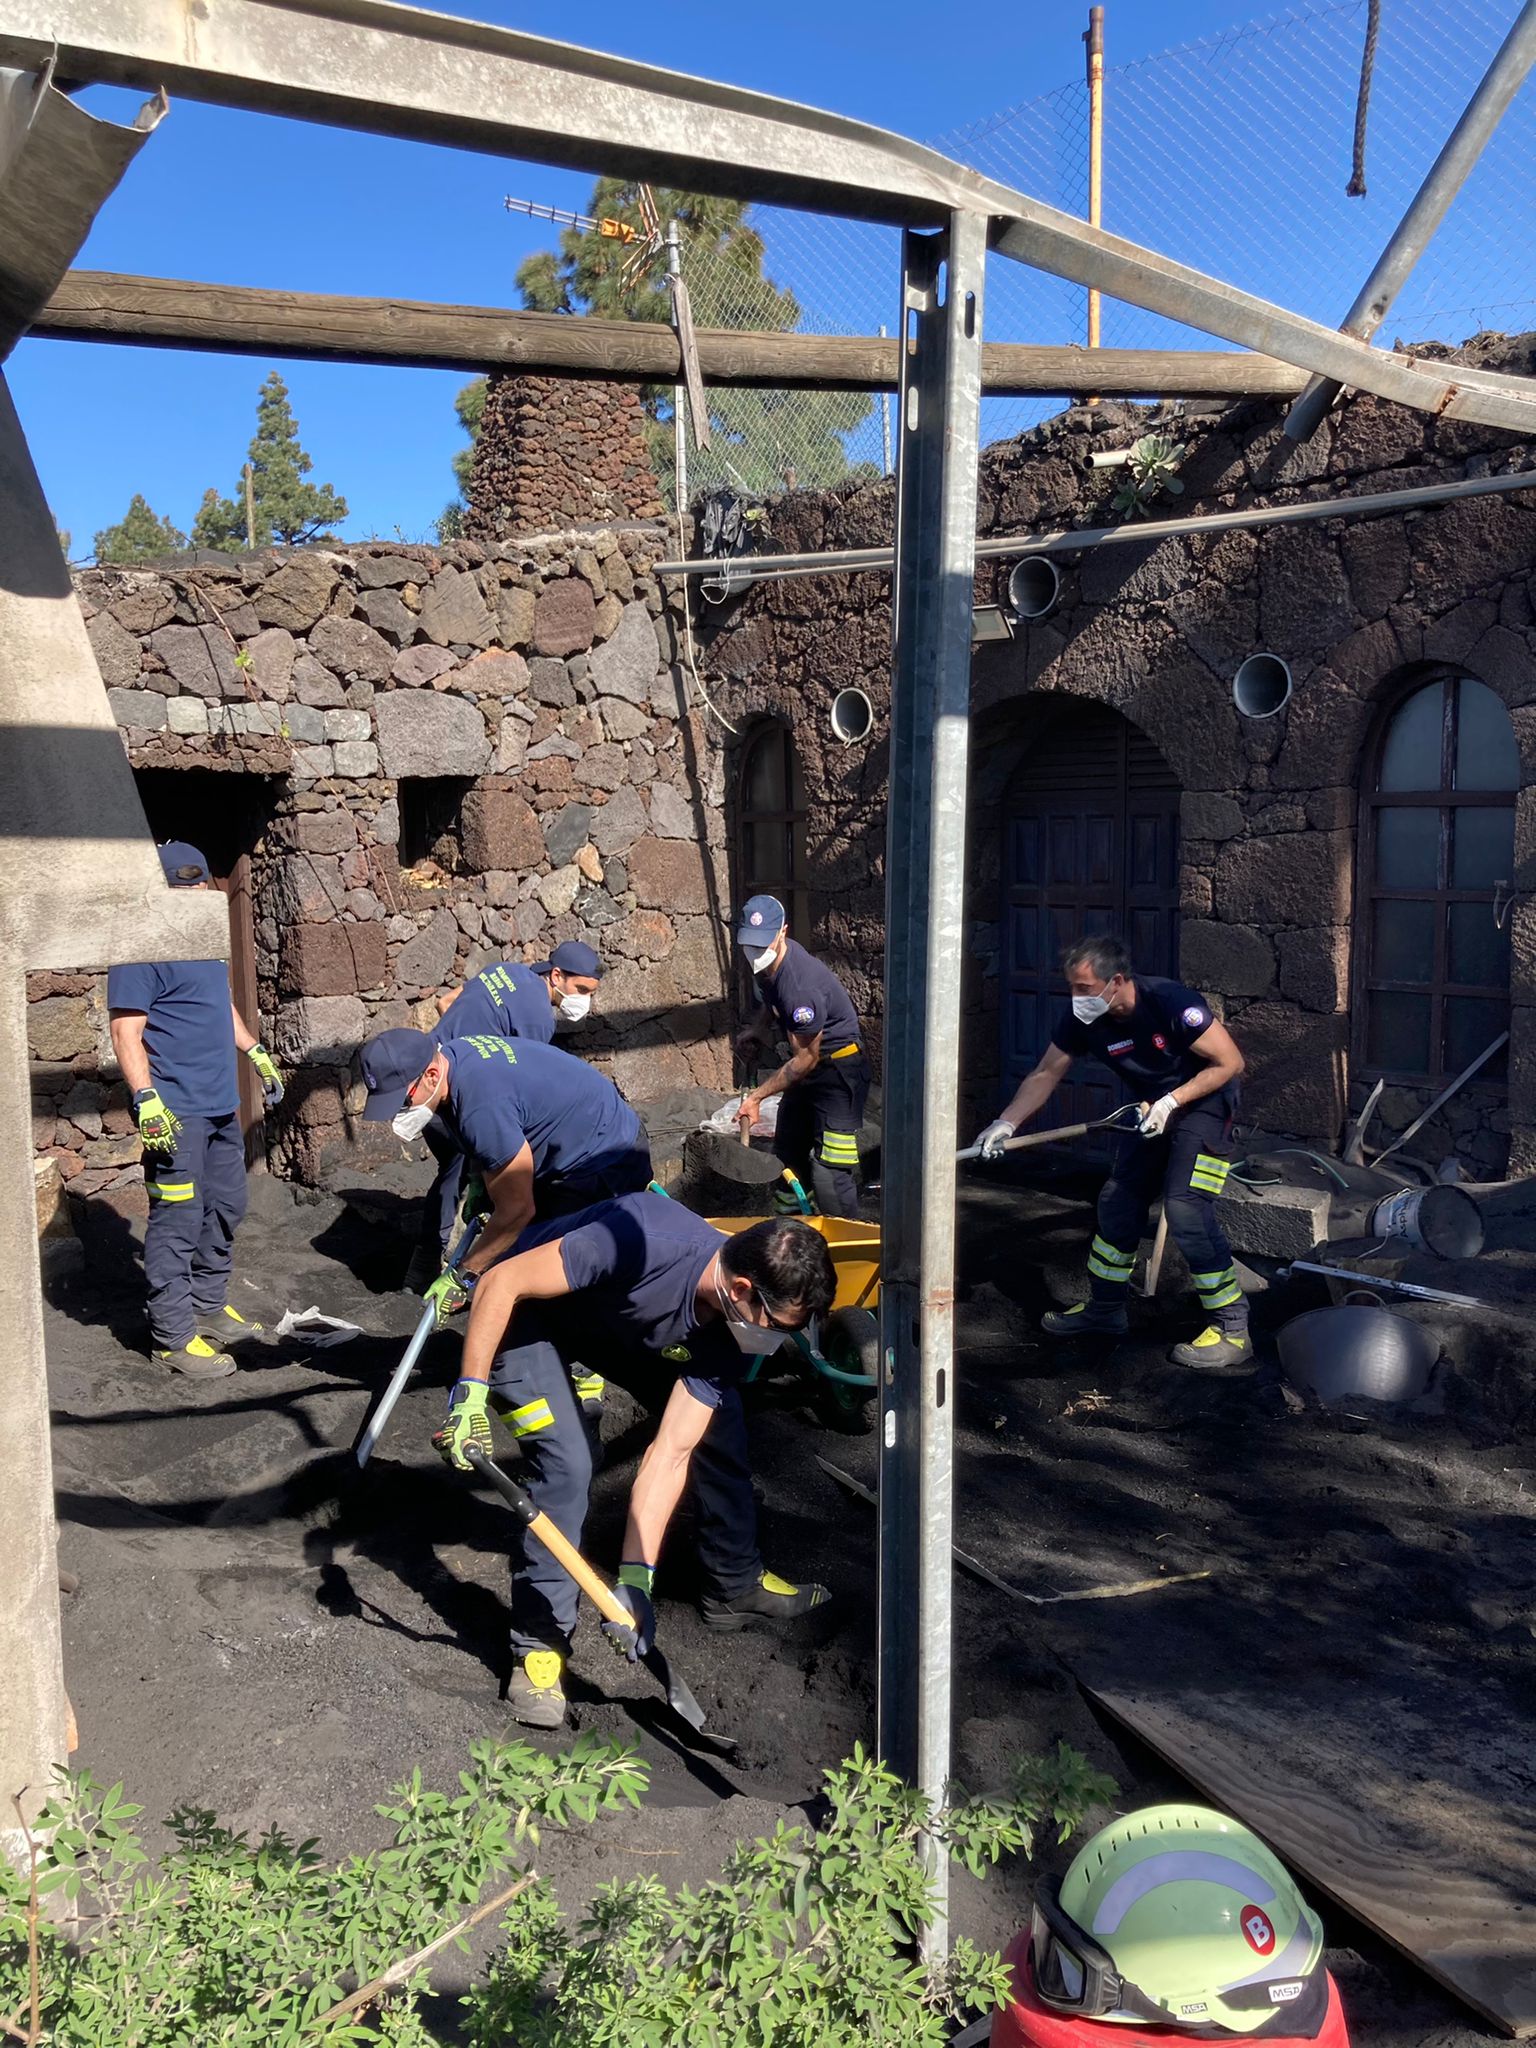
(771, 815)
(1437, 866)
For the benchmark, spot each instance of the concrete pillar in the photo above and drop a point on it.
(32, 1709)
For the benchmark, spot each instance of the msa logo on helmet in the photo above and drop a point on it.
(1258, 1931)
(1193, 2010)
(1282, 1994)
(803, 1015)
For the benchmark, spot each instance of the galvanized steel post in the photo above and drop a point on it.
(938, 433)
(1413, 233)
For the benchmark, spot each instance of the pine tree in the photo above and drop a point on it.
(287, 509)
(765, 440)
(138, 536)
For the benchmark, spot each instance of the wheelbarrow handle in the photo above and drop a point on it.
(560, 1548)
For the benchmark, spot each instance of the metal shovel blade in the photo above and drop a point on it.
(732, 1160)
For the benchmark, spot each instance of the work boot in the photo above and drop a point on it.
(1213, 1349)
(534, 1694)
(198, 1360)
(771, 1599)
(423, 1269)
(228, 1323)
(1087, 1319)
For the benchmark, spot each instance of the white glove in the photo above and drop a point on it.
(1154, 1119)
(990, 1143)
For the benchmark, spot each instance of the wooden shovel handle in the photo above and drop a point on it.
(565, 1553)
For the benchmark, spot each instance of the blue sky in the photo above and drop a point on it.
(245, 199)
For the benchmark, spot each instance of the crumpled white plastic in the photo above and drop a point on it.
(726, 1119)
(316, 1328)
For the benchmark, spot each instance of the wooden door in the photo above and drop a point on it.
(1091, 833)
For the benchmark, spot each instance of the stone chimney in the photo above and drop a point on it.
(553, 453)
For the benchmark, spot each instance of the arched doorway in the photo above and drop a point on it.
(1090, 844)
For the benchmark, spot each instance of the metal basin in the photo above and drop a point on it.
(1351, 1352)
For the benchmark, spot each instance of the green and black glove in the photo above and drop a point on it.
(271, 1079)
(467, 1423)
(157, 1125)
(448, 1294)
(634, 1592)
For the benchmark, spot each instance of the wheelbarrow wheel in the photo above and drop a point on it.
(850, 1340)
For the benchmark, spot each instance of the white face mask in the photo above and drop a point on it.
(756, 1340)
(574, 1007)
(1086, 1008)
(761, 962)
(411, 1121)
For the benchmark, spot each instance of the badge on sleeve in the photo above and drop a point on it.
(803, 1014)
(1194, 1017)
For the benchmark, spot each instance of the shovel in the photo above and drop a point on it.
(374, 1427)
(565, 1554)
(1121, 1119)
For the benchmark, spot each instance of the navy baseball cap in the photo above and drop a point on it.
(184, 865)
(572, 957)
(761, 922)
(390, 1062)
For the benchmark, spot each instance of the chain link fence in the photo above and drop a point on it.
(1231, 154)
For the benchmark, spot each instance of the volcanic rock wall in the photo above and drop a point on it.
(1269, 806)
(451, 755)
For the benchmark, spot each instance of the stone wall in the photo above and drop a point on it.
(521, 700)
(552, 452)
(1157, 632)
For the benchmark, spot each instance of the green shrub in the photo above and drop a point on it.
(807, 1936)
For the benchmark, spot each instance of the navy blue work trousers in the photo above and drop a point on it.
(196, 1200)
(531, 1389)
(817, 1135)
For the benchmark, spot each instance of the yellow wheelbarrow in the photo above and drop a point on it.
(842, 1351)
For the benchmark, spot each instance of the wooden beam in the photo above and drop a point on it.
(166, 312)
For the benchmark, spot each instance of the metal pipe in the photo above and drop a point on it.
(679, 398)
(1093, 36)
(1412, 236)
(885, 424)
(939, 420)
(1075, 540)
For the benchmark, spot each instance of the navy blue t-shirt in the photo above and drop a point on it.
(807, 997)
(506, 1001)
(505, 1093)
(189, 1031)
(1148, 1049)
(636, 1263)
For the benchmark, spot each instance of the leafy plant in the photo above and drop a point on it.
(1150, 468)
(808, 1936)
(255, 1945)
(806, 1940)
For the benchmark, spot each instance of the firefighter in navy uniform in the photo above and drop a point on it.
(175, 1034)
(825, 1081)
(509, 1000)
(1163, 1043)
(679, 1310)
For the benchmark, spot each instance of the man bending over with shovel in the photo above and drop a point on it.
(1162, 1042)
(653, 1294)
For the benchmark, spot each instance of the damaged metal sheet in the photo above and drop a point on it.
(58, 165)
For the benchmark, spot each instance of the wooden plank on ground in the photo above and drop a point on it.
(1444, 1871)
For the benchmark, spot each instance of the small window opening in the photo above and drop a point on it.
(431, 821)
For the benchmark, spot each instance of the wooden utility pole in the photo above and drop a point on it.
(1093, 36)
(250, 508)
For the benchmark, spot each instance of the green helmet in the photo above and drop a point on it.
(1181, 1916)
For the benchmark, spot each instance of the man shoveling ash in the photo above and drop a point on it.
(1163, 1043)
(673, 1310)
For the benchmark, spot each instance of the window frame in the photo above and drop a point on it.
(1447, 800)
(793, 891)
